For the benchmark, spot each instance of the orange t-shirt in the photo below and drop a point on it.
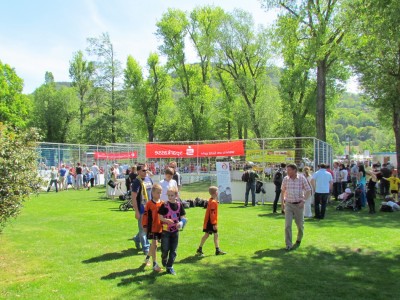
(150, 217)
(211, 213)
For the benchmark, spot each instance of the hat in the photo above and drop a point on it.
(348, 191)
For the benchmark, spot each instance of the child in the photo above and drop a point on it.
(70, 178)
(210, 222)
(170, 213)
(152, 225)
(394, 184)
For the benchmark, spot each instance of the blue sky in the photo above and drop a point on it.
(38, 35)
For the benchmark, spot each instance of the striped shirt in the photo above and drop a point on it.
(295, 188)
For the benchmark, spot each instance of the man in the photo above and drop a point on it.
(250, 186)
(61, 179)
(139, 198)
(96, 172)
(278, 178)
(177, 177)
(337, 184)
(354, 174)
(322, 183)
(295, 189)
(384, 184)
(79, 176)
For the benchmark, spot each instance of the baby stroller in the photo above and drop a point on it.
(347, 202)
(260, 190)
(352, 201)
(128, 201)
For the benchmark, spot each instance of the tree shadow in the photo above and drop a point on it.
(112, 256)
(313, 273)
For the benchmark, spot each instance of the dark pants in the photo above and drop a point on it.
(92, 182)
(337, 189)
(371, 200)
(320, 199)
(384, 187)
(344, 186)
(250, 186)
(51, 183)
(277, 195)
(169, 244)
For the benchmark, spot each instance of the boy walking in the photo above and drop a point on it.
(152, 225)
(170, 214)
(210, 222)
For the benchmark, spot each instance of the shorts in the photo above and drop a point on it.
(210, 229)
(154, 236)
(394, 191)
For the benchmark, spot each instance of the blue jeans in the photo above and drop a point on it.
(141, 236)
(250, 186)
(363, 197)
(169, 244)
(320, 199)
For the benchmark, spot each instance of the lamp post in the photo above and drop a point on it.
(348, 140)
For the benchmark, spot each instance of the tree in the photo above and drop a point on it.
(18, 159)
(243, 54)
(14, 106)
(54, 110)
(107, 75)
(321, 22)
(376, 56)
(81, 73)
(195, 94)
(148, 95)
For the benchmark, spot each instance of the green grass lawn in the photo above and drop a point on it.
(76, 245)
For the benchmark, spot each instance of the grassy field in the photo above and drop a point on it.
(77, 245)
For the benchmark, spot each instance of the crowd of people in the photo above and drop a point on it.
(299, 189)
(78, 177)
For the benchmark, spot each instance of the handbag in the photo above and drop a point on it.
(111, 183)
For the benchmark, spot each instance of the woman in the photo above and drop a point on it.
(113, 178)
(371, 192)
(308, 201)
(53, 179)
(362, 180)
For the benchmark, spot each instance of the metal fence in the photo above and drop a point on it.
(261, 152)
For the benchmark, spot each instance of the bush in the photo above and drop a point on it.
(18, 170)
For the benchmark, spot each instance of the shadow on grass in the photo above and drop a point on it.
(124, 273)
(312, 273)
(112, 256)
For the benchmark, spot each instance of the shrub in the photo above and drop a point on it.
(18, 170)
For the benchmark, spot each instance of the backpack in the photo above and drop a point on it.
(278, 178)
(246, 176)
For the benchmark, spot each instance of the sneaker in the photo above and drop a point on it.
(147, 262)
(220, 252)
(199, 252)
(171, 271)
(157, 268)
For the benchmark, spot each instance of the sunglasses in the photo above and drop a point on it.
(144, 170)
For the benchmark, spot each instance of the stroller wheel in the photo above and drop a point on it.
(123, 207)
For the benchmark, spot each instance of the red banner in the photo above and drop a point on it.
(200, 150)
(116, 155)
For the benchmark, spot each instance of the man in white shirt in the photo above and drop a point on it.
(322, 183)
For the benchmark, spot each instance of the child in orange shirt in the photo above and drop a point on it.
(152, 225)
(210, 222)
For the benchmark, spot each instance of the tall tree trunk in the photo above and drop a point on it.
(321, 100)
(396, 129)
